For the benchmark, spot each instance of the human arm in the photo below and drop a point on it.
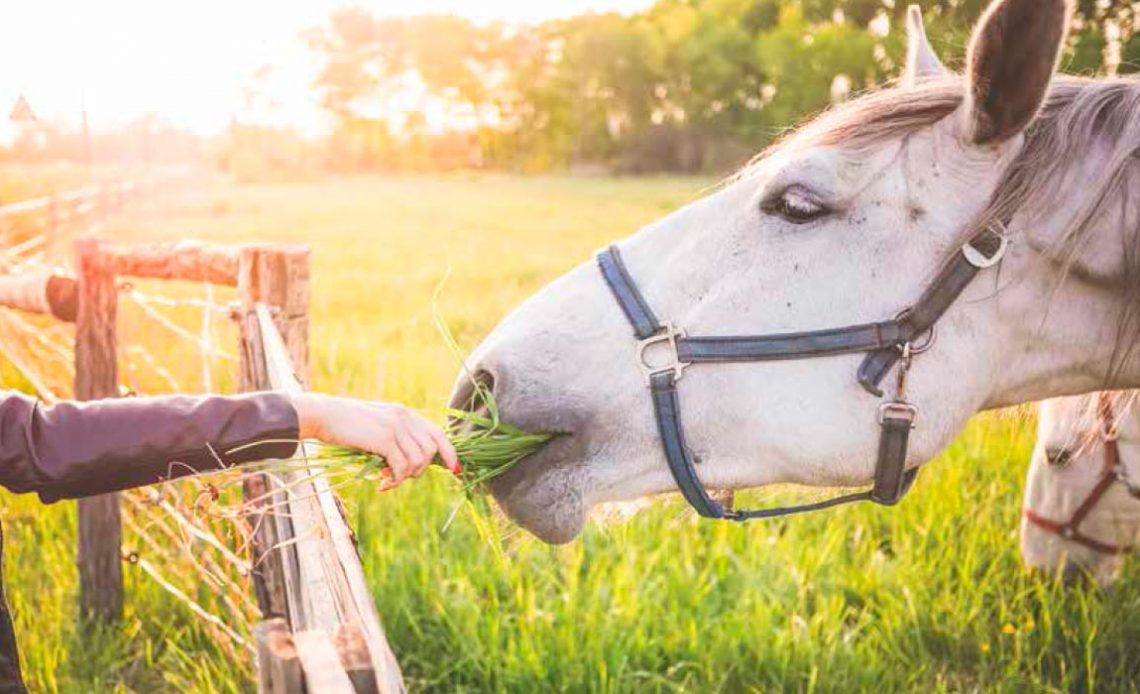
(74, 449)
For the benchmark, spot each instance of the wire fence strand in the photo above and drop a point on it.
(194, 529)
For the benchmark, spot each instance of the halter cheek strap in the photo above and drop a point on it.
(888, 344)
(984, 250)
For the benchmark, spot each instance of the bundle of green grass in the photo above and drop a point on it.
(486, 446)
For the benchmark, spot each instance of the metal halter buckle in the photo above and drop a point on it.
(898, 410)
(667, 336)
(981, 261)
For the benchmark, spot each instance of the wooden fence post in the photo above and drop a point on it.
(279, 669)
(96, 376)
(277, 276)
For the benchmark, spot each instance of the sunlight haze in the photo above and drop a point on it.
(192, 63)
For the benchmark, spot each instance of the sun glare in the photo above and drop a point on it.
(197, 65)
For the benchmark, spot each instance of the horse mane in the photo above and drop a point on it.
(1080, 115)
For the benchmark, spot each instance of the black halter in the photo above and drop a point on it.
(886, 344)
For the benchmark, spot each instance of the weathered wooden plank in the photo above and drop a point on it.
(97, 376)
(276, 574)
(269, 559)
(78, 196)
(46, 294)
(191, 261)
(38, 205)
(316, 604)
(278, 668)
(278, 275)
(297, 579)
(321, 664)
(338, 600)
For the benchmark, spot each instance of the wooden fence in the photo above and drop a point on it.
(52, 216)
(321, 631)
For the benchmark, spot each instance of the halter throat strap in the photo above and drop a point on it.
(885, 343)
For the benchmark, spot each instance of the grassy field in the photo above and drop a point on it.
(926, 596)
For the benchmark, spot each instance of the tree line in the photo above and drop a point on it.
(683, 86)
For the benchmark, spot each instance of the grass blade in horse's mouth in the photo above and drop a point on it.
(486, 446)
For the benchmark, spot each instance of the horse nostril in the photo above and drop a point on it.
(485, 379)
(464, 397)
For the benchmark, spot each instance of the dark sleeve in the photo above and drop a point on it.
(73, 449)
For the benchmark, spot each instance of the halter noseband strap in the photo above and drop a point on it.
(887, 344)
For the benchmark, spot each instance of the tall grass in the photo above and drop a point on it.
(929, 595)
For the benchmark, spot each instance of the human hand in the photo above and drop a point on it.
(405, 439)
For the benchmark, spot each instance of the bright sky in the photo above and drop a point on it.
(191, 61)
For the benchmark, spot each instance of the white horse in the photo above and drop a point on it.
(1082, 495)
(847, 222)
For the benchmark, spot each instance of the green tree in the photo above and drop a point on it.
(684, 84)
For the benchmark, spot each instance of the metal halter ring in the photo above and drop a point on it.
(926, 340)
(667, 336)
(980, 260)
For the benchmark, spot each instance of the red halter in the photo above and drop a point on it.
(1111, 473)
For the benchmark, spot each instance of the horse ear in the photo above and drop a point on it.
(1012, 57)
(921, 60)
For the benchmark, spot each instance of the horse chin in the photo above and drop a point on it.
(1073, 564)
(543, 496)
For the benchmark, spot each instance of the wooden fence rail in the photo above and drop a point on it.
(82, 201)
(54, 214)
(321, 631)
(334, 615)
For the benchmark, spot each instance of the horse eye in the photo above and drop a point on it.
(1058, 457)
(795, 206)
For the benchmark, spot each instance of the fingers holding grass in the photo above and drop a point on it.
(475, 447)
(446, 452)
